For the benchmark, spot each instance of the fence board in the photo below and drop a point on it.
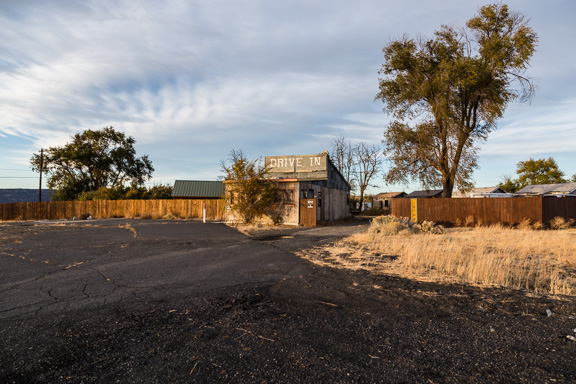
(486, 211)
(155, 209)
(559, 206)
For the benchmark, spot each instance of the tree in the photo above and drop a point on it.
(540, 171)
(343, 158)
(93, 160)
(447, 93)
(132, 192)
(368, 162)
(251, 194)
(357, 163)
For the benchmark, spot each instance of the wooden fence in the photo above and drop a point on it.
(100, 209)
(486, 211)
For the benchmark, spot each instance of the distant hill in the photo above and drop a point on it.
(21, 195)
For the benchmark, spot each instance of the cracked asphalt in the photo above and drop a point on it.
(138, 301)
(57, 266)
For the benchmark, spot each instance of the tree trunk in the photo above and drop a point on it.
(448, 185)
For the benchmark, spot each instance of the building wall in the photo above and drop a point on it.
(332, 204)
(287, 210)
(382, 202)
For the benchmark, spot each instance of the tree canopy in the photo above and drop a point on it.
(248, 190)
(94, 159)
(446, 94)
(539, 171)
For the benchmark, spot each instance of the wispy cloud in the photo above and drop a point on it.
(192, 79)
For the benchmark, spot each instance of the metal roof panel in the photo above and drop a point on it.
(196, 188)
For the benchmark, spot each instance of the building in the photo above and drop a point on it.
(194, 189)
(310, 190)
(424, 194)
(384, 200)
(560, 189)
(482, 192)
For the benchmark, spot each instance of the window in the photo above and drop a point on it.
(284, 197)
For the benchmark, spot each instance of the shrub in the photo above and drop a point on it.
(560, 223)
(391, 225)
(525, 224)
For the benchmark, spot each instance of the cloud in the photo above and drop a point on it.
(191, 80)
(535, 130)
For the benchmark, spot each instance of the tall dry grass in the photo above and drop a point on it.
(537, 260)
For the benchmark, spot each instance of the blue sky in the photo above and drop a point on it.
(191, 80)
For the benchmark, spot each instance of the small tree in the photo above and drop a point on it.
(344, 160)
(358, 163)
(368, 163)
(539, 171)
(251, 194)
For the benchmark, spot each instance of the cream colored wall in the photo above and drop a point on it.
(289, 213)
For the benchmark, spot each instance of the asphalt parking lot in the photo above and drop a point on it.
(56, 266)
(142, 301)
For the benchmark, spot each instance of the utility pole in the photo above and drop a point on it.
(41, 169)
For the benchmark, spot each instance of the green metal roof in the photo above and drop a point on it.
(198, 189)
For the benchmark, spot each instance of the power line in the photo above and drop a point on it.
(17, 177)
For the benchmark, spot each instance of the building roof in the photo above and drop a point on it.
(548, 189)
(430, 193)
(198, 189)
(389, 194)
(478, 192)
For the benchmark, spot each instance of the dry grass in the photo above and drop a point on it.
(539, 261)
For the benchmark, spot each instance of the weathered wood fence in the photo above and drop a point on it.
(486, 211)
(99, 209)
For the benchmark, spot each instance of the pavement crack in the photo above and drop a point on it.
(84, 291)
(107, 279)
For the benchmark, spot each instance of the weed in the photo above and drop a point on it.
(560, 223)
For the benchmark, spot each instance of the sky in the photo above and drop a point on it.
(191, 80)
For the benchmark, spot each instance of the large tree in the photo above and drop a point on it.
(539, 171)
(447, 93)
(93, 160)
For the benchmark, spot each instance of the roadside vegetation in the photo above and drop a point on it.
(540, 261)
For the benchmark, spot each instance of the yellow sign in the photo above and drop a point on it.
(414, 210)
